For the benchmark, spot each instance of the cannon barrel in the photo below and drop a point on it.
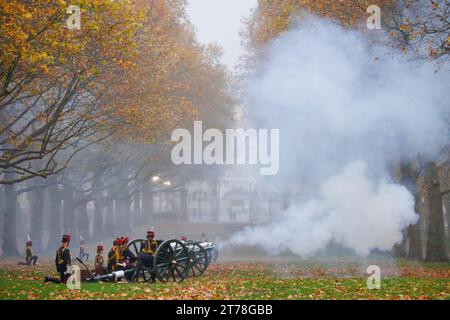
(112, 276)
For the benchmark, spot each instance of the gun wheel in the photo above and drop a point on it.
(171, 261)
(135, 248)
(198, 259)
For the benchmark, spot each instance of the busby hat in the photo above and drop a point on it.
(29, 243)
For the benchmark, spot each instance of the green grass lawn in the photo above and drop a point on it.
(256, 280)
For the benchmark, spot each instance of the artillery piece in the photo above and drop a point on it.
(174, 260)
(211, 250)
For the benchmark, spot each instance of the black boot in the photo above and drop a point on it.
(50, 279)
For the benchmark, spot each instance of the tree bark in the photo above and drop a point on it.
(147, 203)
(436, 250)
(99, 208)
(446, 200)
(123, 215)
(36, 199)
(414, 240)
(2, 209)
(184, 204)
(21, 220)
(55, 215)
(137, 212)
(409, 176)
(68, 209)
(109, 213)
(83, 221)
(9, 245)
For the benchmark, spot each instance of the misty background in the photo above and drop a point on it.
(364, 137)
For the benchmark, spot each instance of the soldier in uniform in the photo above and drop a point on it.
(113, 256)
(124, 257)
(124, 253)
(29, 257)
(83, 254)
(99, 261)
(147, 254)
(62, 261)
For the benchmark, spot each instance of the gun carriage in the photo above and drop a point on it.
(174, 260)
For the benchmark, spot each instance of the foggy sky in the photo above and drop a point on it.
(219, 21)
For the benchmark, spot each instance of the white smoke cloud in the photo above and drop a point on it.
(346, 109)
(350, 210)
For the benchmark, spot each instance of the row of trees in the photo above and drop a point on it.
(86, 115)
(418, 28)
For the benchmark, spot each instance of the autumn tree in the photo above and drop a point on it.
(174, 82)
(423, 26)
(48, 96)
(48, 93)
(138, 73)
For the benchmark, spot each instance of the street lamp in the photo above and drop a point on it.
(155, 179)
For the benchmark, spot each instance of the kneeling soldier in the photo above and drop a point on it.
(147, 254)
(62, 261)
(125, 257)
(29, 257)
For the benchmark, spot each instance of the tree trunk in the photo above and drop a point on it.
(413, 233)
(436, 249)
(409, 174)
(55, 215)
(99, 208)
(123, 202)
(83, 221)
(147, 203)
(2, 208)
(137, 213)
(446, 199)
(36, 200)
(123, 215)
(9, 245)
(400, 250)
(184, 204)
(22, 220)
(68, 209)
(109, 213)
